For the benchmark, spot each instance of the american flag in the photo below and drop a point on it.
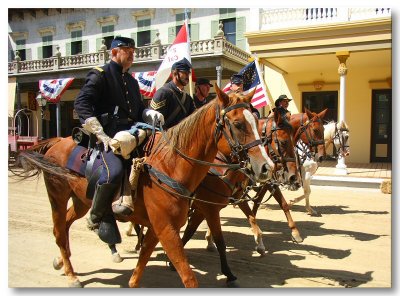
(251, 80)
(147, 82)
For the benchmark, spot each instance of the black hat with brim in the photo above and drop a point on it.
(122, 42)
(237, 79)
(281, 98)
(201, 81)
(182, 65)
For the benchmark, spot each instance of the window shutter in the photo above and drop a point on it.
(214, 28)
(85, 46)
(98, 44)
(28, 54)
(68, 48)
(153, 35)
(171, 34)
(12, 55)
(40, 53)
(240, 29)
(134, 37)
(194, 32)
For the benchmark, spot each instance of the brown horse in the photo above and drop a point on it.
(183, 155)
(219, 189)
(307, 127)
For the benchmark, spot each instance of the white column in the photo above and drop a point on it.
(341, 168)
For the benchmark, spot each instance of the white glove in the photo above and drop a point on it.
(93, 126)
(149, 115)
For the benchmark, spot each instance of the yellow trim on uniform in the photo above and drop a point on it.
(99, 69)
(158, 105)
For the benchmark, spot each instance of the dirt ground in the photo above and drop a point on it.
(348, 246)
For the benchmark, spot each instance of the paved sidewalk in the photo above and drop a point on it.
(364, 175)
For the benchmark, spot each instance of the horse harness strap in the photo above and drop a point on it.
(163, 178)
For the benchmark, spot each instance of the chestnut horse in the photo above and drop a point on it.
(183, 155)
(221, 187)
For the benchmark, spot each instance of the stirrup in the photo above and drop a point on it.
(121, 209)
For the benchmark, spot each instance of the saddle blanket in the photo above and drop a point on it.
(77, 161)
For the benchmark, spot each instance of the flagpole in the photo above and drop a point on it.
(188, 38)
(262, 81)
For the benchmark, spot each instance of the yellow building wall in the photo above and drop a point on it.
(358, 99)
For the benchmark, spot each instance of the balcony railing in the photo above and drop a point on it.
(296, 17)
(216, 46)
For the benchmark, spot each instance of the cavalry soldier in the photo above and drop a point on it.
(110, 102)
(282, 103)
(202, 88)
(237, 87)
(171, 100)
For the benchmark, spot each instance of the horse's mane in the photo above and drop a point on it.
(181, 135)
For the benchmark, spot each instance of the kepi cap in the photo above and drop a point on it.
(201, 81)
(182, 65)
(122, 42)
(281, 98)
(237, 79)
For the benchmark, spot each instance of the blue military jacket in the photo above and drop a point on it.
(105, 88)
(165, 101)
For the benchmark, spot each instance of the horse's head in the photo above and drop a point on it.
(311, 132)
(237, 135)
(278, 140)
(341, 139)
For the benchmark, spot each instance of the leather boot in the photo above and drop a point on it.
(101, 217)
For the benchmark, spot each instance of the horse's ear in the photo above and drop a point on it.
(247, 98)
(322, 113)
(309, 113)
(222, 97)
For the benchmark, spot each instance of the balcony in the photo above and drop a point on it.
(303, 17)
(216, 47)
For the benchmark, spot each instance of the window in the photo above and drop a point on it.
(108, 34)
(47, 49)
(180, 18)
(21, 49)
(230, 29)
(76, 44)
(144, 33)
(227, 10)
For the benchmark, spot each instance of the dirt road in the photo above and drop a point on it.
(349, 246)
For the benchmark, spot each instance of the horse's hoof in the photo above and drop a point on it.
(116, 258)
(211, 248)
(232, 284)
(297, 238)
(58, 263)
(75, 284)
(261, 250)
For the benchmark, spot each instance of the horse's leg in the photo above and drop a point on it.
(194, 221)
(129, 229)
(149, 243)
(214, 223)
(257, 233)
(139, 232)
(114, 254)
(285, 207)
(59, 193)
(210, 242)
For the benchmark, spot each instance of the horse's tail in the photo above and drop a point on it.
(32, 162)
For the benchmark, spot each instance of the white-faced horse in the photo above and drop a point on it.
(336, 133)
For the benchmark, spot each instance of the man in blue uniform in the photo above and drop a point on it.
(171, 100)
(202, 89)
(110, 102)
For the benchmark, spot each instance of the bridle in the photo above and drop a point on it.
(276, 154)
(304, 128)
(342, 140)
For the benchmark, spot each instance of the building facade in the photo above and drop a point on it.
(336, 58)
